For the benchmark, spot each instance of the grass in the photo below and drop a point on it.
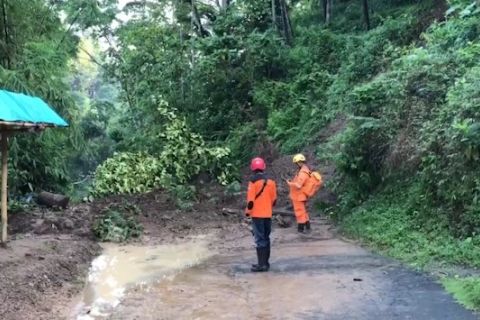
(387, 224)
(465, 291)
(391, 229)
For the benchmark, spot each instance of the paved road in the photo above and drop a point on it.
(313, 277)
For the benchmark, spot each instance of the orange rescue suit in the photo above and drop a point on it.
(261, 206)
(297, 195)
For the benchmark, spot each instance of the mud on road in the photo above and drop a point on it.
(317, 276)
(46, 262)
(195, 265)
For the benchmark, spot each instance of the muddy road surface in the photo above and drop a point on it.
(196, 265)
(316, 276)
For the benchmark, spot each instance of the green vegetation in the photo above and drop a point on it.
(183, 195)
(465, 290)
(118, 224)
(389, 222)
(183, 156)
(196, 87)
(127, 173)
(40, 56)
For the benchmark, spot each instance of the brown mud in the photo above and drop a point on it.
(314, 276)
(48, 255)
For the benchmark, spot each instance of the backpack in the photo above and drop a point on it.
(313, 183)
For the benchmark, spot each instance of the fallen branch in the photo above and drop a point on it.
(81, 181)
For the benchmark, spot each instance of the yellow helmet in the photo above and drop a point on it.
(299, 158)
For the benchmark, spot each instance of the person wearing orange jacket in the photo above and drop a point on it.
(297, 195)
(261, 198)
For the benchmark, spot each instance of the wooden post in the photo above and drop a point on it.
(4, 186)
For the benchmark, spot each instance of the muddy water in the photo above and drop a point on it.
(311, 277)
(306, 279)
(120, 268)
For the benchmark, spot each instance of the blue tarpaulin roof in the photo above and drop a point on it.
(19, 108)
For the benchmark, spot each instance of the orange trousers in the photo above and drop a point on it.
(300, 211)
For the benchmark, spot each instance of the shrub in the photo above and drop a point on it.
(183, 195)
(128, 173)
(118, 224)
(184, 154)
(360, 158)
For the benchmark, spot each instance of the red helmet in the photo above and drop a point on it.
(257, 164)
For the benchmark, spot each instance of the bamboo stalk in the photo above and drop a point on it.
(4, 186)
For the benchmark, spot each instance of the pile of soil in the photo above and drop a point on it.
(40, 274)
(45, 262)
(74, 220)
(164, 222)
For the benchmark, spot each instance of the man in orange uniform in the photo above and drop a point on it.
(261, 197)
(297, 195)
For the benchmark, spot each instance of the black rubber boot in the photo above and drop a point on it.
(262, 261)
(258, 259)
(308, 227)
(267, 261)
(301, 227)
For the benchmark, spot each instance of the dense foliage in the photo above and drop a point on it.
(38, 56)
(235, 75)
(200, 86)
(418, 118)
(184, 154)
(34, 59)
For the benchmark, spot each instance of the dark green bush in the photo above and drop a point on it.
(118, 224)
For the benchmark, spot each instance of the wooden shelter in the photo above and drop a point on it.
(20, 113)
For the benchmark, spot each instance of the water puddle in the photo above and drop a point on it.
(122, 267)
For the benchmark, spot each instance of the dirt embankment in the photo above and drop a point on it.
(281, 167)
(45, 262)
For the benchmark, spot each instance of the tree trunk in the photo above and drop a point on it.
(366, 14)
(225, 4)
(53, 200)
(328, 11)
(274, 15)
(7, 63)
(324, 10)
(202, 32)
(286, 23)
